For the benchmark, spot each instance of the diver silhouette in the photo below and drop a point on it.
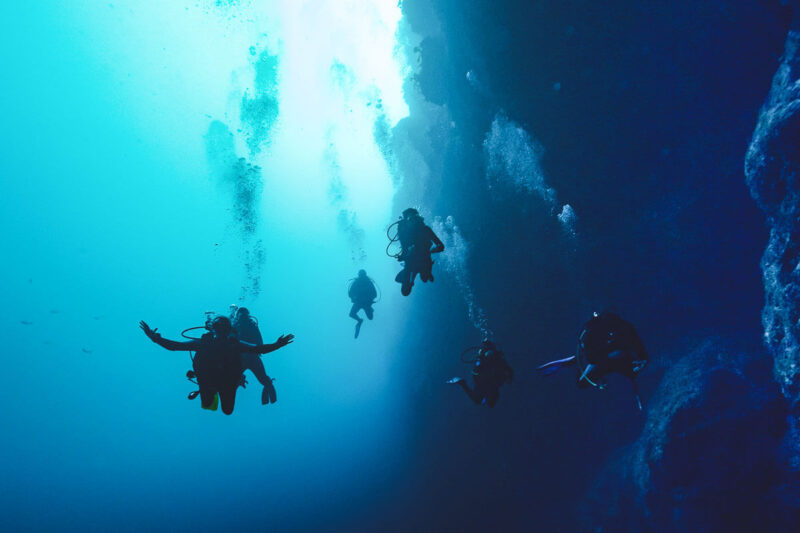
(490, 371)
(607, 344)
(218, 361)
(416, 239)
(362, 293)
(246, 327)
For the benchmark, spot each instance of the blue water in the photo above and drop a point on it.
(163, 159)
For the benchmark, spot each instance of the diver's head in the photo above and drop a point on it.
(410, 213)
(362, 273)
(242, 312)
(221, 327)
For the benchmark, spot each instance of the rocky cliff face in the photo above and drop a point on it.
(720, 448)
(772, 168)
(710, 455)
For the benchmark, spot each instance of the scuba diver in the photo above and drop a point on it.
(246, 327)
(607, 344)
(362, 293)
(415, 239)
(218, 362)
(490, 371)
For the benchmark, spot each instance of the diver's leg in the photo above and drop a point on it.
(473, 394)
(227, 398)
(406, 288)
(369, 311)
(256, 366)
(354, 315)
(425, 271)
(207, 396)
(406, 279)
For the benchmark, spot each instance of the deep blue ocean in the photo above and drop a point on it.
(159, 160)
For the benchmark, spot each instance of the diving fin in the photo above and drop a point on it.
(405, 288)
(552, 367)
(268, 394)
(358, 328)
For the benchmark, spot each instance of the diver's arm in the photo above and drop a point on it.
(438, 244)
(173, 346)
(282, 341)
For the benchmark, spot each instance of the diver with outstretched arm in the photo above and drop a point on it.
(218, 361)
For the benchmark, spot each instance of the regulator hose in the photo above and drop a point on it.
(392, 240)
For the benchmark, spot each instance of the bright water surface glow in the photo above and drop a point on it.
(115, 216)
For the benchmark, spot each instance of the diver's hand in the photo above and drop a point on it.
(152, 334)
(283, 340)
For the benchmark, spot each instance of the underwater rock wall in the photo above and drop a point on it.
(772, 168)
(661, 176)
(719, 447)
(709, 456)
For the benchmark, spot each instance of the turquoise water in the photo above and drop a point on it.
(160, 160)
(125, 199)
